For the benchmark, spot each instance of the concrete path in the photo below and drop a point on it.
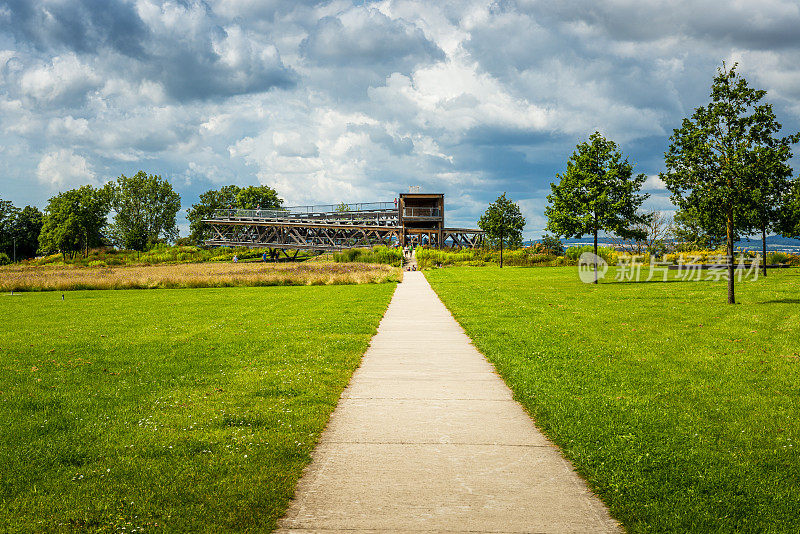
(410, 262)
(428, 438)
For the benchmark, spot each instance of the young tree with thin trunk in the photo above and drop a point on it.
(503, 223)
(657, 227)
(790, 216)
(598, 192)
(771, 190)
(692, 230)
(711, 156)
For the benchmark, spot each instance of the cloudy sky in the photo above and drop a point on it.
(355, 101)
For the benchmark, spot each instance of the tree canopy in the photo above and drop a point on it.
(8, 215)
(503, 223)
(229, 196)
(26, 228)
(772, 187)
(720, 159)
(74, 221)
(598, 192)
(692, 231)
(790, 218)
(145, 206)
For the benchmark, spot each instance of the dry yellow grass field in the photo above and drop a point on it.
(64, 278)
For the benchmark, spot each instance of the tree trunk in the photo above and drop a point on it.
(729, 235)
(501, 245)
(764, 248)
(595, 255)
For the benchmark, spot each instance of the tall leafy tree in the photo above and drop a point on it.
(8, 215)
(145, 206)
(228, 197)
(598, 192)
(27, 227)
(503, 223)
(74, 221)
(710, 161)
(258, 197)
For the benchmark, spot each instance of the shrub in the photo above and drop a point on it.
(552, 245)
(380, 254)
(784, 258)
(4, 259)
(524, 257)
(607, 253)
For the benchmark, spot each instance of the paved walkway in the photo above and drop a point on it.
(428, 438)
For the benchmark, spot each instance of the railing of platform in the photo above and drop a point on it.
(343, 208)
(292, 212)
(421, 212)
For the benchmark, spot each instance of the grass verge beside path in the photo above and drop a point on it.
(187, 411)
(681, 411)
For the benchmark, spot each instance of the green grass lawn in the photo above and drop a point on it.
(681, 411)
(188, 410)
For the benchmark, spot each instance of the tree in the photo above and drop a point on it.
(8, 214)
(228, 197)
(790, 218)
(693, 232)
(74, 221)
(145, 207)
(658, 236)
(27, 227)
(710, 161)
(773, 185)
(19, 230)
(552, 245)
(260, 197)
(503, 223)
(598, 192)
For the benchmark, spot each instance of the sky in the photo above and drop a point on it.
(356, 101)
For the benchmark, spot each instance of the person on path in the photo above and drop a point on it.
(235, 258)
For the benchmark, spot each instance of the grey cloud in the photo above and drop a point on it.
(187, 58)
(397, 145)
(366, 36)
(191, 74)
(80, 25)
(759, 25)
(546, 64)
(259, 11)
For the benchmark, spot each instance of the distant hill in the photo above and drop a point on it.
(775, 243)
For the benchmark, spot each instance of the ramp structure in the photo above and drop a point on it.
(413, 218)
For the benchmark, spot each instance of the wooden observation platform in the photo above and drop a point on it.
(413, 218)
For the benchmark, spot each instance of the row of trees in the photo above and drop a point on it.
(145, 207)
(19, 231)
(143, 211)
(727, 171)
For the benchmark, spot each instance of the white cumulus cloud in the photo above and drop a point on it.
(64, 169)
